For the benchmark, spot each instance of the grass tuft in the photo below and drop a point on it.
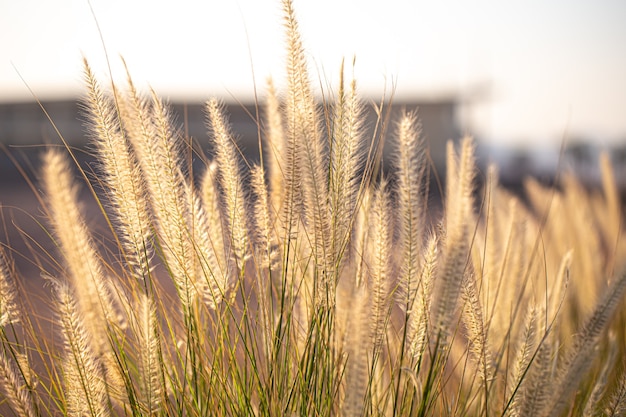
(318, 282)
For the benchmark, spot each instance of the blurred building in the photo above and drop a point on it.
(27, 123)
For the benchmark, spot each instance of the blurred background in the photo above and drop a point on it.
(531, 81)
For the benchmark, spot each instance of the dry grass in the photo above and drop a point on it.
(312, 284)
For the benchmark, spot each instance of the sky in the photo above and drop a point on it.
(528, 71)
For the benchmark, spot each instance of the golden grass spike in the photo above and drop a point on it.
(458, 212)
(361, 236)
(122, 179)
(306, 147)
(274, 149)
(380, 264)
(492, 262)
(213, 211)
(617, 402)
(420, 307)
(411, 191)
(265, 254)
(593, 403)
(85, 387)
(16, 390)
(578, 360)
(299, 119)
(263, 238)
(522, 360)
(503, 292)
(212, 279)
(346, 163)
(78, 250)
(150, 363)
(157, 150)
(452, 167)
(358, 350)
(231, 184)
(9, 312)
(474, 320)
(535, 387)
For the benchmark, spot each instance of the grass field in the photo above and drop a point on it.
(316, 282)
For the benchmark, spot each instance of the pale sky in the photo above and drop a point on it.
(543, 67)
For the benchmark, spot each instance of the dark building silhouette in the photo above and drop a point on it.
(26, 124)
